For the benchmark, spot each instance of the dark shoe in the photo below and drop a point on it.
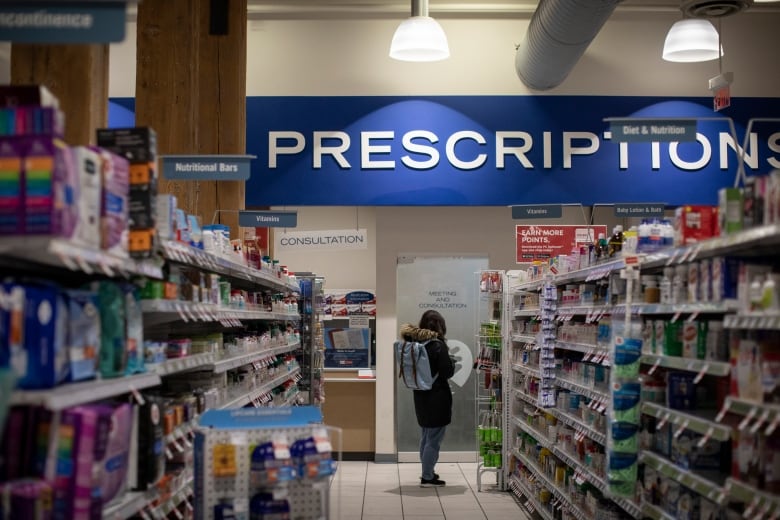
(435, 476)
(434, 482)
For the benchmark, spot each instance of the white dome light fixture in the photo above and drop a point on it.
(692, 40)
(419, 38)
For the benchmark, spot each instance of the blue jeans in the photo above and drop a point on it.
(430, 442)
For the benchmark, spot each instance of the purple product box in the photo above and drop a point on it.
(73, 483)
(27, 95)
(114, 205)
(11, 187)
(29, 498)
(29, 120)
(111, 469)
(50, 187)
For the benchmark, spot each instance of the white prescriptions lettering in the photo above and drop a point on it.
(275, 150)
(622, 151)
(774, 145)
(450, 150)
(751, 155)
(547, 141)
(366, 149)
(706, 154)
(655, 155)
(569, 149)
(410, 146)
(335, 151)
(518, 151)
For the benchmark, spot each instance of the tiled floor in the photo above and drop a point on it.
(369, 491)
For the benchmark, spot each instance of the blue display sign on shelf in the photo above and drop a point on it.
(653, 130)
(284, 219)
(644, 210)
(207, 167)
(495, 150)
(537, 211)
(86, 21)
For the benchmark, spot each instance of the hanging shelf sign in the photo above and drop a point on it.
(537, 211)
(640, 210)
(284, 219)
(207, 167)
(52, 21)
(652, 130)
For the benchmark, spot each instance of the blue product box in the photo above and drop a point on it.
(724, 275)
(41, 360)
(681, 391)
(83, 344)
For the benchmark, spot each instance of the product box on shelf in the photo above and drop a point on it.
(27, 95)
(712, 455)
(772, 198)
(751, 275)
(32, 120)
(83, 337)
(113, 210)
(88, 166)
(695, 223)
(139, 147)
(730, 210)
(151, 442)
(11, 196)
(36, 350)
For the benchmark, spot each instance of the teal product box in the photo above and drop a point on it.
(41, 359)
(730, 209)
(83, 343)
(113, 349)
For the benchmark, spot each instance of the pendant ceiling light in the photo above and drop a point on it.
(419, 38)
(692, 39)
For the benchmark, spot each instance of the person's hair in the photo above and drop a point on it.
(434, 321)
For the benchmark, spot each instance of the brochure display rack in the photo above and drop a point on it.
(311, 354)
(490, 411)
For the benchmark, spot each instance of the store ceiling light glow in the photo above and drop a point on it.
(420, 37)
(691, 40)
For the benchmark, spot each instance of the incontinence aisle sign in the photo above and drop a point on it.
(544, 242)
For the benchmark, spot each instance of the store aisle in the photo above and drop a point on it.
(371, 491)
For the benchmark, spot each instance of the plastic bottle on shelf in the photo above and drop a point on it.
(680, 285)
(666, 286)
(615, 244)
(643, 236)
(769, 294)
(601, 251)
(630, 241)
(756, 292)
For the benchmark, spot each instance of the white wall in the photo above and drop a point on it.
(349, 57)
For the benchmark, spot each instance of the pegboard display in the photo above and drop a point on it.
(270, 459)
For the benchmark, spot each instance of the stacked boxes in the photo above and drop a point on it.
(139, 147)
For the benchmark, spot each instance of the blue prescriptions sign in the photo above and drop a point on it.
(495, 150)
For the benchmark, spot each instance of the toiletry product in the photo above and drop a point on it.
(694, 223)
(83, 336)
(730, 210)
(11, 195)
(665, 286)
(113, 352)
(681, 391)
(151, 442)
(112, 466)
(113, 209)
(27, 95)
(134, 328)
(615, 244)
(88, 166)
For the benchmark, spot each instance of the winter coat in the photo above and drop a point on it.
(433, 407)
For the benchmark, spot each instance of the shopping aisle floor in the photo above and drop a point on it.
(370, 491)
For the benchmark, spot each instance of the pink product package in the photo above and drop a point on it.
(11, 188)
(111, 467)
(114, 204)
(50, 187)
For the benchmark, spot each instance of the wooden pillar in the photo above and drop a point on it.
(76, 74)
(191, 88)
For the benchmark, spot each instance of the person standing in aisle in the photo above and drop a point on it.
(433, 407)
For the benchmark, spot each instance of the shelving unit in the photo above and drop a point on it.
(311, 355)
(746, 416)
(60, 257)
(490, 412)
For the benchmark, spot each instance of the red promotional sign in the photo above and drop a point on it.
(543, 242)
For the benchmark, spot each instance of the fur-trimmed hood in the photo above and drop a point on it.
(411, 332)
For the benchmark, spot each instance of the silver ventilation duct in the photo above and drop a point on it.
(559, 33)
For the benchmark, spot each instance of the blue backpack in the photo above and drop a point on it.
(414, 367)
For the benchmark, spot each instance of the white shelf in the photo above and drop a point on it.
(655, 512)
(755, 415)
(126, 505)
(697, 483)
(253, 394)
(59, 252)
(585, 348)
(527, 286)
(74, 394)
(517, 313)
(527, 370)
(550, 485)
(519, 486)
(578, 425)
(196, 257)
(223, 365)
(591, 393)
(686, 308)
(184, 364)
(161, 311)
(519, 394)
(753, 498)
(700, 366)
(591, 273)
(524, 338)
(758, 236)
(752, 321)
(694, 423)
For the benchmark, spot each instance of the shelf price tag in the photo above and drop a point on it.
(747, 419)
